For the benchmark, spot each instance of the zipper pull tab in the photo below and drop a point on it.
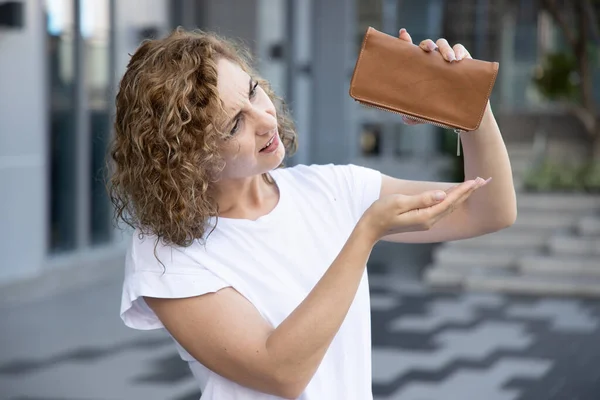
(457, 131)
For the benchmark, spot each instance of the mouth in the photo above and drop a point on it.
(271, 145)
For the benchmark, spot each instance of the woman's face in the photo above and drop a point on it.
(253, 145)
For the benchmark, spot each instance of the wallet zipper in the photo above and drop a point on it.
(456, 130)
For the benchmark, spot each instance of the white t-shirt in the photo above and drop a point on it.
(274, 262)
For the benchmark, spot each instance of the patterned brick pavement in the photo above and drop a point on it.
(427, 345)
(435, 345)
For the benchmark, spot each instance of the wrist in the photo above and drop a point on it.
(488, 120)
(365, 232)
(488, 114)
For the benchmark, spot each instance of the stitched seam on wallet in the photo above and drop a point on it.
(362, 49)
(445, 122)
(414, 114)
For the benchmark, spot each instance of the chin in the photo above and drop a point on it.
(280, 155)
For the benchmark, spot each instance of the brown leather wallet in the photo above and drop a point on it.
(397, 76)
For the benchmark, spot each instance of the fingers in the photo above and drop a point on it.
(461, 193)
(428, 45)
(404, 35)
(417, 202)
(445, 50)
(451, 54)
(440, 198)
(423, 211)
(454, 197)
(466, 188)
(452, 188)
(461, 52)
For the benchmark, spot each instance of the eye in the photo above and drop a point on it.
(253, 90)
(251, 95)
(235, 128)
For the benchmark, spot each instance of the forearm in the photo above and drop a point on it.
(494, 206)
(299, 343)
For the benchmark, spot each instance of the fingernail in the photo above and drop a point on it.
(488, 179)
(451, 58)
(402, 30)
(438, 196)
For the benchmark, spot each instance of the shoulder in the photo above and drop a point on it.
(358, 186)
(153, 269)
(348, 176)
(325, 171)
(147, 253)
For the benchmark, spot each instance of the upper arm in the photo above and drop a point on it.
(390, 185)
(225, 333)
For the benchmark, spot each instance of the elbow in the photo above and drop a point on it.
(290, 384)
(512, 218)
(509, 216)
(289, 389)
(506, 215)
(500, 221)
(291, 393)
(507, 221)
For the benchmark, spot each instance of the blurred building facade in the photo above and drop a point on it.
(59, 72)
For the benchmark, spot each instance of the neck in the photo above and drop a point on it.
(246, 198)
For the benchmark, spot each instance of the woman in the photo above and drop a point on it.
(258, 272)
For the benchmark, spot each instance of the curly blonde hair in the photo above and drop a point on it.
(165, 154)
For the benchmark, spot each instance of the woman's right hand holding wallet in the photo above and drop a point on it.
(400, 213)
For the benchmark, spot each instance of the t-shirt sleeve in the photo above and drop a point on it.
(361, 185)
(365, 184)
(178, 276)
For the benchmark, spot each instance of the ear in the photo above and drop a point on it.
(405, 36)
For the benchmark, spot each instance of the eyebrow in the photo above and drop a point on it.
(230, 123)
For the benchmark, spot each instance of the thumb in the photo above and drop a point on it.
(404, 35)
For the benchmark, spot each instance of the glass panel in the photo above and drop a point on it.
(526, 35)
(61, 65)
(525, 47)
(95, 32)
(370, 140)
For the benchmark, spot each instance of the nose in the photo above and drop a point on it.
(266, 122)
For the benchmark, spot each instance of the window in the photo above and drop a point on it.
(61, 65)
(95, 32)
(80, 82)
(525, 53)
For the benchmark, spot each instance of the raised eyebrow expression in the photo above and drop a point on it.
(251, 87)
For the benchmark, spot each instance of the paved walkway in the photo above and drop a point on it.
(427, 345)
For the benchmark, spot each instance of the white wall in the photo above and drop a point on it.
(23, 161)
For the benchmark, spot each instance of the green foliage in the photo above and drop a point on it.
(557, 77)
(556, 177)
(591, 179)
